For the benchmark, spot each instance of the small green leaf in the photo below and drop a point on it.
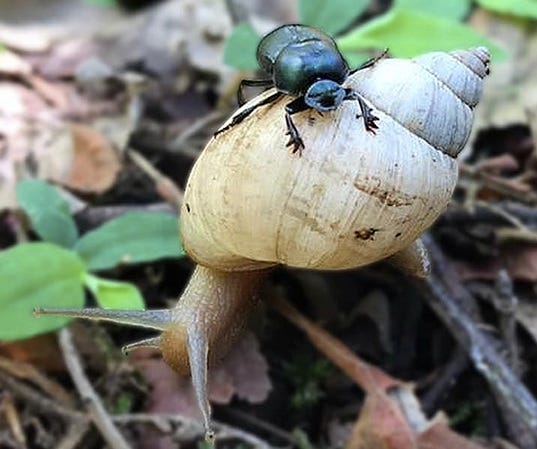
(452, 9)
(409, 33)
(241, 46)
(520, 8)
(37, 275)
(114, 294)
(331, 16)
(132, 238)
(48, 212)
(103, 3)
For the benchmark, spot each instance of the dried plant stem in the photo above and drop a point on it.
(98, 413)
(368, 377)
(168, 190)
(501, 379)
(186, 429)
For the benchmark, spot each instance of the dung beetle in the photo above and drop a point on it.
(303, 62)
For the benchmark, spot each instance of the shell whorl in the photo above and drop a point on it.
(436, 98)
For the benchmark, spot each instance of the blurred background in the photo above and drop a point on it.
(104, 107)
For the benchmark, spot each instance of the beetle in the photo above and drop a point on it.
(303, 62)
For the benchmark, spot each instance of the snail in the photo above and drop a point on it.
(303, 62)
(353, 198)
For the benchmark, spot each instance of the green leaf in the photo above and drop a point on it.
(241, 46)
(520, 8)
(332, 16)
(103, 3)
(409, 33)
(48, 212)
(33, 275)
(114, 294)
(132, 238)
(451, 9)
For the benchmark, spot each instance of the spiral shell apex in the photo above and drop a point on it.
(353, 197)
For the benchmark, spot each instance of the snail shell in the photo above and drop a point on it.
(353, 197)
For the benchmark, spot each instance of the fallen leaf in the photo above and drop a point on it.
(512, 84)
(63, 59)
(242, 373)
(13, 65)
(40, 351)
(95, 164)
(248, 370)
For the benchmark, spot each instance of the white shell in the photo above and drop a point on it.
(353, 197)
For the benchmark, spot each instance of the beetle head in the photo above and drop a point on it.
(324, 95)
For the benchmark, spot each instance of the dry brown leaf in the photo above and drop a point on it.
(381, 425)
(248, 370)
(244, 373)
(63, 58)
(95, 164)
(439, 436)
(40, 351)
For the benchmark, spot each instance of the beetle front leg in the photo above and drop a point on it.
(294, 107)
(240, 116)
(370, 119)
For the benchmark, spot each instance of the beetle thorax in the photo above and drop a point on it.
(300, 65)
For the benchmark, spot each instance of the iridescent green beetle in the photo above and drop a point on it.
(303, 62)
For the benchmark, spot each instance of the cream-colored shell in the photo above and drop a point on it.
(353, 197)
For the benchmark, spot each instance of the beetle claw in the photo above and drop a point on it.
(296, 142)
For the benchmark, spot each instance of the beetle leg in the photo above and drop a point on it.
(367, 112)
(295, 140)
(240, 116)
(240, 91)
(370, 62)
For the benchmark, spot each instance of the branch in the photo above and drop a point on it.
(98, 413)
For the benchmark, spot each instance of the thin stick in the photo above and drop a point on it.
(168, 190)
(484, 356)
(37, 400)
(74, 435)
(93, 403)
(188, 428)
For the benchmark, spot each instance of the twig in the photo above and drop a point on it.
(188, 429)
(485, 358)
(178, 144)
(499, 185)
(13, 420)
(29, 372)
(506, 304)
(445, 380)
(74, 435)
(37, 400)
(93, 403)
(263, 425)
(168, 190)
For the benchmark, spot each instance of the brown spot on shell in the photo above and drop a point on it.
(387, 197)
(365, 234)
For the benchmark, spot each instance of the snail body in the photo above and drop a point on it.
(353, 198)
